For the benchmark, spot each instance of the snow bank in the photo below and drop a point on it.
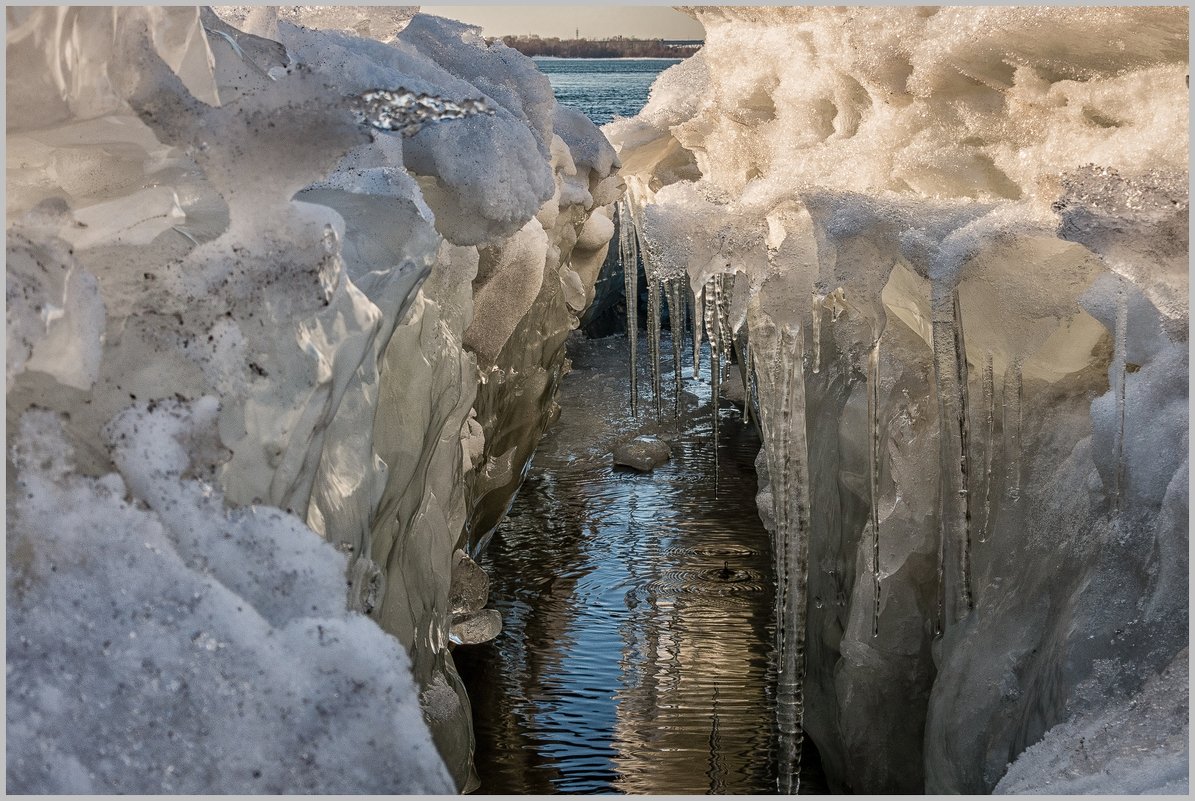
(1123, 749)
(269, 234)
(170, 645)
(953, 244)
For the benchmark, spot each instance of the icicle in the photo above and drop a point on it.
(1013, 397)
(653, 334)
(940, 612)
(630, 267)
(712, 294)
(698, 295)
(989, 400)
(950, 365)
(725, 292)
(873, 466)
(676, 318)
(711, 322)
(750, 390)
(818, 300)
(964, 464)
(720, 363)
(1120, 360)
(745, 372)
(651, 274)
(780, 357)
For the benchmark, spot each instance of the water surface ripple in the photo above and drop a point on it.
(603, 88)
(636, 650)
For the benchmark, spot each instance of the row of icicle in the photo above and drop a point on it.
(710, 316)
(772, 364)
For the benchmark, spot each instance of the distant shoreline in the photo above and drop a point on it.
(609, 58)
(537, 47)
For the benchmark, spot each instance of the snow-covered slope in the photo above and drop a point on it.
(955, 240)
(251, 297)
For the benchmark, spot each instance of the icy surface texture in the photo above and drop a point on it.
(377, 22)
(198, 211)
(958, 242)
(524, 315)
(1120, 750)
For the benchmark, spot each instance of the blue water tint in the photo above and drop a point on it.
(636, 650)
(603, 88)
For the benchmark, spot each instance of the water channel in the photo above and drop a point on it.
(636, 651)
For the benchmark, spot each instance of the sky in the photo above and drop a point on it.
(594, 21)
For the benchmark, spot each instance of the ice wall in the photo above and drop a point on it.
(959, 245)
(259, 282)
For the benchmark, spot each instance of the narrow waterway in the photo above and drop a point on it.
(636, 653)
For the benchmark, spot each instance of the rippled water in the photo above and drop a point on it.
(635, 654)
(603, 87)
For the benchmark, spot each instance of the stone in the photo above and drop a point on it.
(642, 453)
(474, 628)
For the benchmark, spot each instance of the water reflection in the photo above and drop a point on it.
(635, 655)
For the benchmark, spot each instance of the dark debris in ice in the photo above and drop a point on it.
(407, 112)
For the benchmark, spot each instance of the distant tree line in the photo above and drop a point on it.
(597, 48)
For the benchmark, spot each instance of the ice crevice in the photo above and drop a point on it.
(287, 297)
(958, 245)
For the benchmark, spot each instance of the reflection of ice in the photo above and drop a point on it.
(620, 626)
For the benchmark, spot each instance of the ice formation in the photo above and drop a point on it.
(286, 307)
(958, 242)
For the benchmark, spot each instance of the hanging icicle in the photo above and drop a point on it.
(950, 365)
(1120, 360)
(964, 428)
(779, 358)
(628, 254)
(744, 353)
(653, 333)
(873, 467)
(651, 275)
(1013, 398)
(749, 391)
(725, 291)
(698, 296)
(676, 321)
(712, 295)
(818, 301)
(989, 412)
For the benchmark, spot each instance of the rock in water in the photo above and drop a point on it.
(642, 453)
(474, 628)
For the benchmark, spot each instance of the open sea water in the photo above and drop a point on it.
(603, 88)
